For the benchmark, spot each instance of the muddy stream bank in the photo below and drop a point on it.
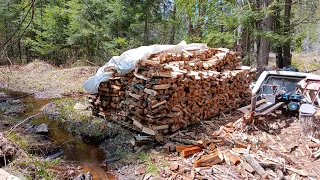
(76, 151)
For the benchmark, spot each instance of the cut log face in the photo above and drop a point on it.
(169, 91)
(309, 125)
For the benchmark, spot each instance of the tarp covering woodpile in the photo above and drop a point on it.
(172, 89)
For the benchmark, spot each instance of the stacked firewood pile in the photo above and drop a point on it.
(169, 91)
(110, 95)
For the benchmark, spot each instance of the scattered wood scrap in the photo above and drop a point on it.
(234, 148)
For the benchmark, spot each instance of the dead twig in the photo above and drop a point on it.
(28, 118)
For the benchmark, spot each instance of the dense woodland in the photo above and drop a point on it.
(69, 31)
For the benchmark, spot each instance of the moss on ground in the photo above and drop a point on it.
(82, 121)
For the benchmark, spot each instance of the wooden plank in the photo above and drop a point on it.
(140, 76)
(253, 103)
(162, 86)
(165, 74)
(158, 104)
(149, 62)
(263, 107)
(162, 127)
(271, 109)
(150, 91)
(148, 131)
(115, 87)
(137, 123)
(136, 96)
(245, 109)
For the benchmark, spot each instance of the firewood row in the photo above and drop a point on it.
(169, 91)
(110, 95)
(216, 59)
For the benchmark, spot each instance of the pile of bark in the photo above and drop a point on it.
(169, 91)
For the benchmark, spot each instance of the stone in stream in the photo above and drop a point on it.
(42, 128)
(54, 156)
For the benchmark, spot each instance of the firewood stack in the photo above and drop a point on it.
(110, 95)
(170, 91)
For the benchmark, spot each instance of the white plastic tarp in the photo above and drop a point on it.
(127, 61)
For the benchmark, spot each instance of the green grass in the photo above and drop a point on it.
(27, 165)
(20, 140)
(303, 65)
(152, 166)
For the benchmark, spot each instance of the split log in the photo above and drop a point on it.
(309, 121)
(189, 151)
(208, 160)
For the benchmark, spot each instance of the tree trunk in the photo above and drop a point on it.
(191, 30)
(277, 29)
(146, 32)
(173, 29)
(266, 25)
(87, 46)
(201, 15)
(120, 30)
(19, 49)
(256, 39)
(287, 28)
(221, 26)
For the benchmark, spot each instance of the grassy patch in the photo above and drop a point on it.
(33, 167)
(304, 65)
(153, 165)
(20, 140)
(82, 121)
(39, 76)
(26, 165)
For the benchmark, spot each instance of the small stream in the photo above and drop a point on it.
(74, 149)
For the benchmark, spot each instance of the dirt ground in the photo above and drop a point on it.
(45, 80)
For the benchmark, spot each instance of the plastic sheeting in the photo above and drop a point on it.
(128, 60)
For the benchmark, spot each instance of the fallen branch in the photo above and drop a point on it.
(28, 118)
(187, 141)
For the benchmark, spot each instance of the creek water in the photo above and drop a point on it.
(88, 155)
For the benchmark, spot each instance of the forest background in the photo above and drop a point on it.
(68, 32)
